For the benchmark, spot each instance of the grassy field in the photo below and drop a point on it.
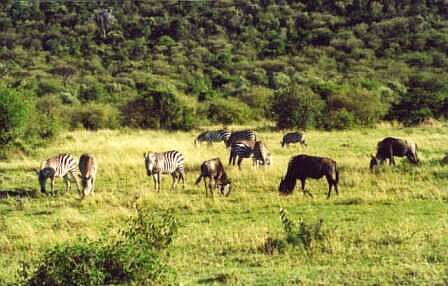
(385, 228)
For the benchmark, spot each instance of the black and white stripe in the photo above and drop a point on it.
(249, 149)
(243, 135)
(212, 136)
(170, 162)
(61, 165)
(293, 137)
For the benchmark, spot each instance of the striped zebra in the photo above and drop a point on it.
(61, 165)
(243, 135)
(293, 137)
(88, 168)
(212, 136)
(170, 162)
(249, 149)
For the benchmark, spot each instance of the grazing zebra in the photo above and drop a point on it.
(88, 167)
(170, 162)
(293, 137)
(212, 136)
(58, 166)
(247, 135)
(247, 149)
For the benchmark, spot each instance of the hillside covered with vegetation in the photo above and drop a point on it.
(180, 64)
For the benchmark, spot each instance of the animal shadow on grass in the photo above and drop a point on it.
(18, 193)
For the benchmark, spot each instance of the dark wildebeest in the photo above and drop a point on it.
(243, 135)
(247, 149)
(390, 147)
(213, 169)
(293, 137)
(304, 166)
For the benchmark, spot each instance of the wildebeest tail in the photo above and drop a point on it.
(198, 180)
(337, 175)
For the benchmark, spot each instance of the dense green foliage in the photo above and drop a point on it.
(137, 256)
(366, 60)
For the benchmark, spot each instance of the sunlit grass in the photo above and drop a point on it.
(387, 228)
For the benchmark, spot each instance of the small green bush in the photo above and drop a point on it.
(310, 236)
(49, 86)
(296, 107)
(15, 108)
(228, 111)
(339, 119)
(95, 116)
(137, 257)
(160, 108)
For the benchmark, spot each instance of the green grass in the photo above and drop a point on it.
(385, 228)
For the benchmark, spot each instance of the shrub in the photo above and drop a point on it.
(296, 107)
(228, 111)
(339, 119)
(160, 108)
(96, 116)
(137, 256)
(310, 236)
(91, 89)
(15, 108)
(48, 86)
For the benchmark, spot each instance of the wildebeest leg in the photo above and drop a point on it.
(305, 192)
(391, 157)
(210, 185)
(205, 185)
(52, 179)
(330, 184)
(240, 159)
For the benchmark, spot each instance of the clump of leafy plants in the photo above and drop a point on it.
(137, 255)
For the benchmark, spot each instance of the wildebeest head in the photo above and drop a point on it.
(150, 162)
(412, 153)
(373, 162)
(286, 186)
(43, 175)
(225, 187)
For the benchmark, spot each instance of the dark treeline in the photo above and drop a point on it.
(175, 65)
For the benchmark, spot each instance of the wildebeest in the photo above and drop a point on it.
(61, 165)
(243, 135)
(88, 167)
(213, 169)
(303, 166)
(390, 147)
(247, 149)
(212, 136)
(170, 162)
(293, 137)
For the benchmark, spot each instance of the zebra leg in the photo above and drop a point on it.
(182, 176)
(155, 181)
(158, 181)
(67, 183)
(77, 183)
(173, 185)
(240, 159)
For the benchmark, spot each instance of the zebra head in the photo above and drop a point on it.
(149, 162)
(225, 187)
(43, 175)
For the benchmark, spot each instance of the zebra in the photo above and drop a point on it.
(170, 162)
(293, 137)
(212, 136)
(247, 149)
(88, 167)
(58, 166)
(247, 135)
